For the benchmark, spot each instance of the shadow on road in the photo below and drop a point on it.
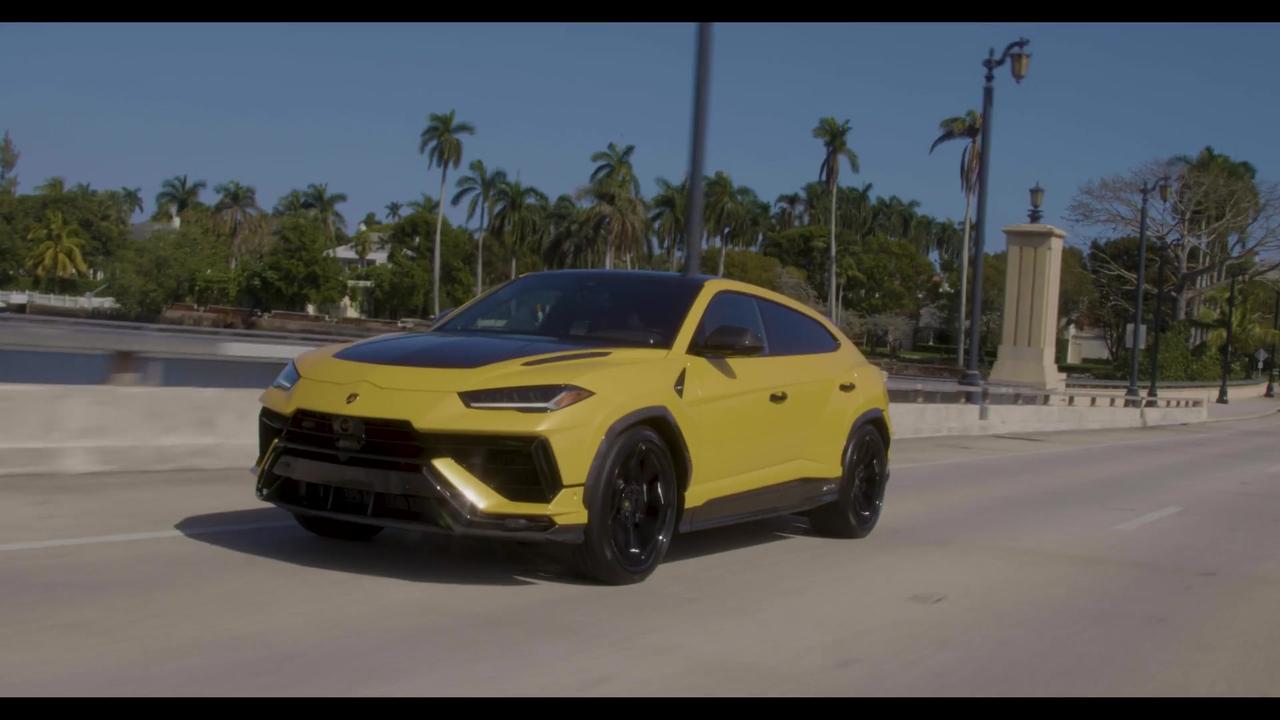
(434, 558)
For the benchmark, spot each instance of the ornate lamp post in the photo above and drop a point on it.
(1226, 348)
(1037, 198)
(693, 221)
(1019, 61)
(1132, 394)
(1275, 325)
(1165, 249)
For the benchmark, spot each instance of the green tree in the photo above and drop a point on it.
(480, 186)
(8, 161)
(393, 211)
(57, 251)
(835, 142)
(441, 142)
(130, 202)
(178, 194)
(518, 216)
(968, 128)
(614, 165)
(237, 212)
(52, 186)
(668, 214)
(618, 217)
(324, 204)
(298, 268)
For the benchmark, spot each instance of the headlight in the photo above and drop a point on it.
(287, 377)
(539, 398)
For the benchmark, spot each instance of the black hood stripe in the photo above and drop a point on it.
(562, 358)
(447, 350)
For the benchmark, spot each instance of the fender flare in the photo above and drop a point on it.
(635, 417)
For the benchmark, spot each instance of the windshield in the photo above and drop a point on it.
(595, 308)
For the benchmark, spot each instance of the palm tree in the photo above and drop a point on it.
(179, 195)
(426, 205)
(325, 206)
(236, 210)
(615, 166)
(518, 215)
(964, 127)
(393, 211)
(58, 249)
(720, 207)
(130, 201)
(790, 209)
(569, 240)
(294, 202)
(479, 186)
(52, 186)
(619, 217)
(835, 142)
(441, 143)
(668, 216)
(362, 243)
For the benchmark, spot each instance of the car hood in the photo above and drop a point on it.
(448, 362)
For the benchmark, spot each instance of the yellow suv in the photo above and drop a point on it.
(606, 409)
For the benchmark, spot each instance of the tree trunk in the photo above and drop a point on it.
(671, 251)
(435, 264)
(720, 272)
(964, 283)
(831, 282)
(608, 255)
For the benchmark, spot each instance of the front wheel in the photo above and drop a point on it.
(856, 509)
(631, 513)
(334, 528)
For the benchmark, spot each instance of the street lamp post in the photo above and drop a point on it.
(1020, 60)
(1275, 326)
(1226, 348)
(1132, 394)
(1155, 322)
(697, 153)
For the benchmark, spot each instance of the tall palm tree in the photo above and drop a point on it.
(967, 127)
(130, 201)
(393, 211)
(615, 166)
(569, 239)
(179, 195)
(479, 186)
(325, 205)
(835, 143)
(236, 210)
(440, 141)
(57, 250)
(618, 216)
(52, 186)
(518, 215)
(719, 209)
(362, 243)
(668, 216)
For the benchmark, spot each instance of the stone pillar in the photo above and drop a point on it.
(1032, 277)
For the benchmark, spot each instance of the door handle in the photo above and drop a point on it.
(847, 387)
(778, 397)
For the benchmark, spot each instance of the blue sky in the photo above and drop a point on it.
(278, 106)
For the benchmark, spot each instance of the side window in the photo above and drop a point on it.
(791, 333)
(728, 308)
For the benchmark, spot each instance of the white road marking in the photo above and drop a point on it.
(1149, 517)
(36, 545)
(261, 350)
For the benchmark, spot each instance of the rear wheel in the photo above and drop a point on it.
(339, 529)
(856, 509)
(631, 514)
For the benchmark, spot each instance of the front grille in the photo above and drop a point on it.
(519, 468)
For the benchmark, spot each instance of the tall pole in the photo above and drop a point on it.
(1155, 322)
(971, 375)
(1133, 394)
(693, 220)
(1226, 349)
(1275, 326)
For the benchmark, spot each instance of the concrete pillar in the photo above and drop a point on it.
(1032, 276)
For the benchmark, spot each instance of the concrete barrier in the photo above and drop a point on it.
(67, 429)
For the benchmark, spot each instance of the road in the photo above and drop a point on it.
(1143, 562)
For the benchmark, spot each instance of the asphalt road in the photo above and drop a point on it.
(1094, 563)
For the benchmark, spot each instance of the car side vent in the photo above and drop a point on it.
(562, 358)
(680, 384)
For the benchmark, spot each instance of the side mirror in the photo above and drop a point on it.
(731, 341)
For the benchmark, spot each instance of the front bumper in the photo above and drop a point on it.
(397, 477)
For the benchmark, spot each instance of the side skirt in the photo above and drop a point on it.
(782, 499)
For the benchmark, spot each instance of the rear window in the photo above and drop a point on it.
(793, 333)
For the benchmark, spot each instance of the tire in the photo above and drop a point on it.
(631, 510)
(860, 498)
(337, 529)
